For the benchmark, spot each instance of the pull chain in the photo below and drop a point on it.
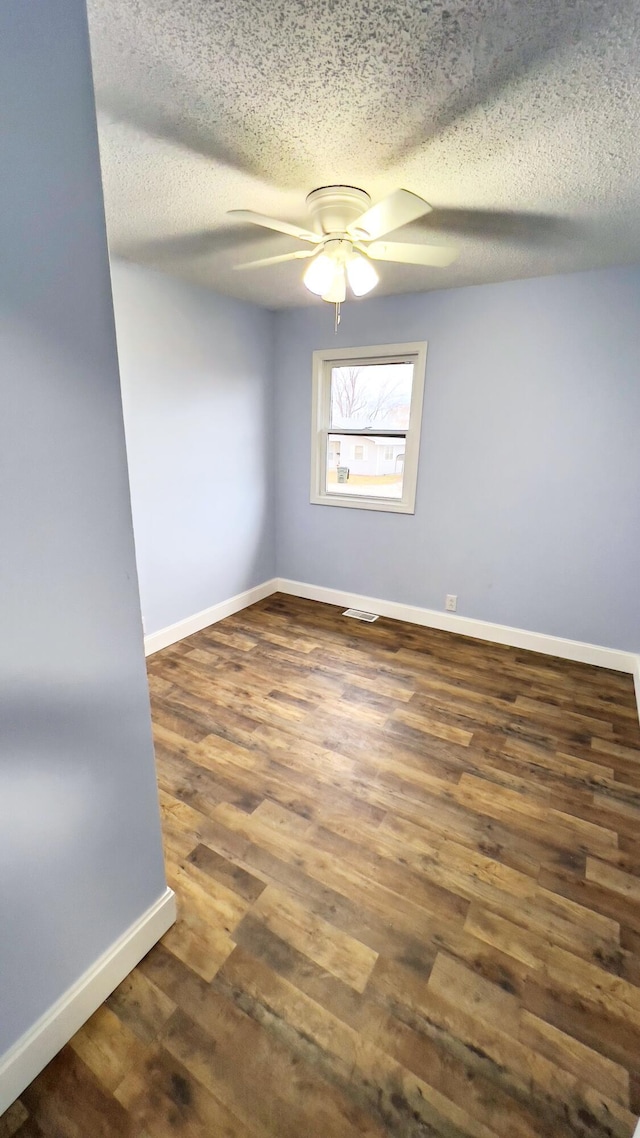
(335, 329)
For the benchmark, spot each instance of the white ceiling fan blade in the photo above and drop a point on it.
(405, 254)
(275, 223)
(299, 254)
(397, 209)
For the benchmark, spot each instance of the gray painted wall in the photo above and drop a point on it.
(80, 851)
(196, 373)
(528, 503)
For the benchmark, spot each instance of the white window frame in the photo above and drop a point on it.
(323, 361)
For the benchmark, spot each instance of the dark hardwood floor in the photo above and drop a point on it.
(407, 867)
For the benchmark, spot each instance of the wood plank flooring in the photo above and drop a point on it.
(408, 873)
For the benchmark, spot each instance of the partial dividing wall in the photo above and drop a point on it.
(80, 852)
(197, 388)
(528, 502)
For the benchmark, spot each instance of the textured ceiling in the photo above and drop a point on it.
(518, 120)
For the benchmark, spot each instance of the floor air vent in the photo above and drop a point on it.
(358, 614)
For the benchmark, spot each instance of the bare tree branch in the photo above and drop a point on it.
(347, 392)
(352, 400)
(385, 400)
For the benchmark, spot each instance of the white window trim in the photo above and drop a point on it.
(323, 360)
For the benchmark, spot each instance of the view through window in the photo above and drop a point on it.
(369, 420)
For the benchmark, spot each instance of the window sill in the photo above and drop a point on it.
(361, 503)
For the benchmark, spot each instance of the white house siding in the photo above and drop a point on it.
(374, 454)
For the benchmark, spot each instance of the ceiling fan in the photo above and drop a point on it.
(347, 239)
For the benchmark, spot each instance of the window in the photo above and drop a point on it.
(367, 410)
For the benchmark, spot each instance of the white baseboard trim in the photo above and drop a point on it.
(468, 626)
(576, 650)
(20, 1065)
(636, 684)
(175, 632)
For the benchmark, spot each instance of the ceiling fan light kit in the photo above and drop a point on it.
(329, 271)
(345, 240)
(326, 269)
(361, 274)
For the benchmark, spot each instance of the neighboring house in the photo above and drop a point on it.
(367, 455)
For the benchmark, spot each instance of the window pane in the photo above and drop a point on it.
(365, 465)
(371, 395)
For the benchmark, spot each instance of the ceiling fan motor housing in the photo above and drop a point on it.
(333, 208)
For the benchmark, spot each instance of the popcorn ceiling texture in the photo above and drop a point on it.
(517, 119)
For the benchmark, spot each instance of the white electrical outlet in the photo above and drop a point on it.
(451, 602)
